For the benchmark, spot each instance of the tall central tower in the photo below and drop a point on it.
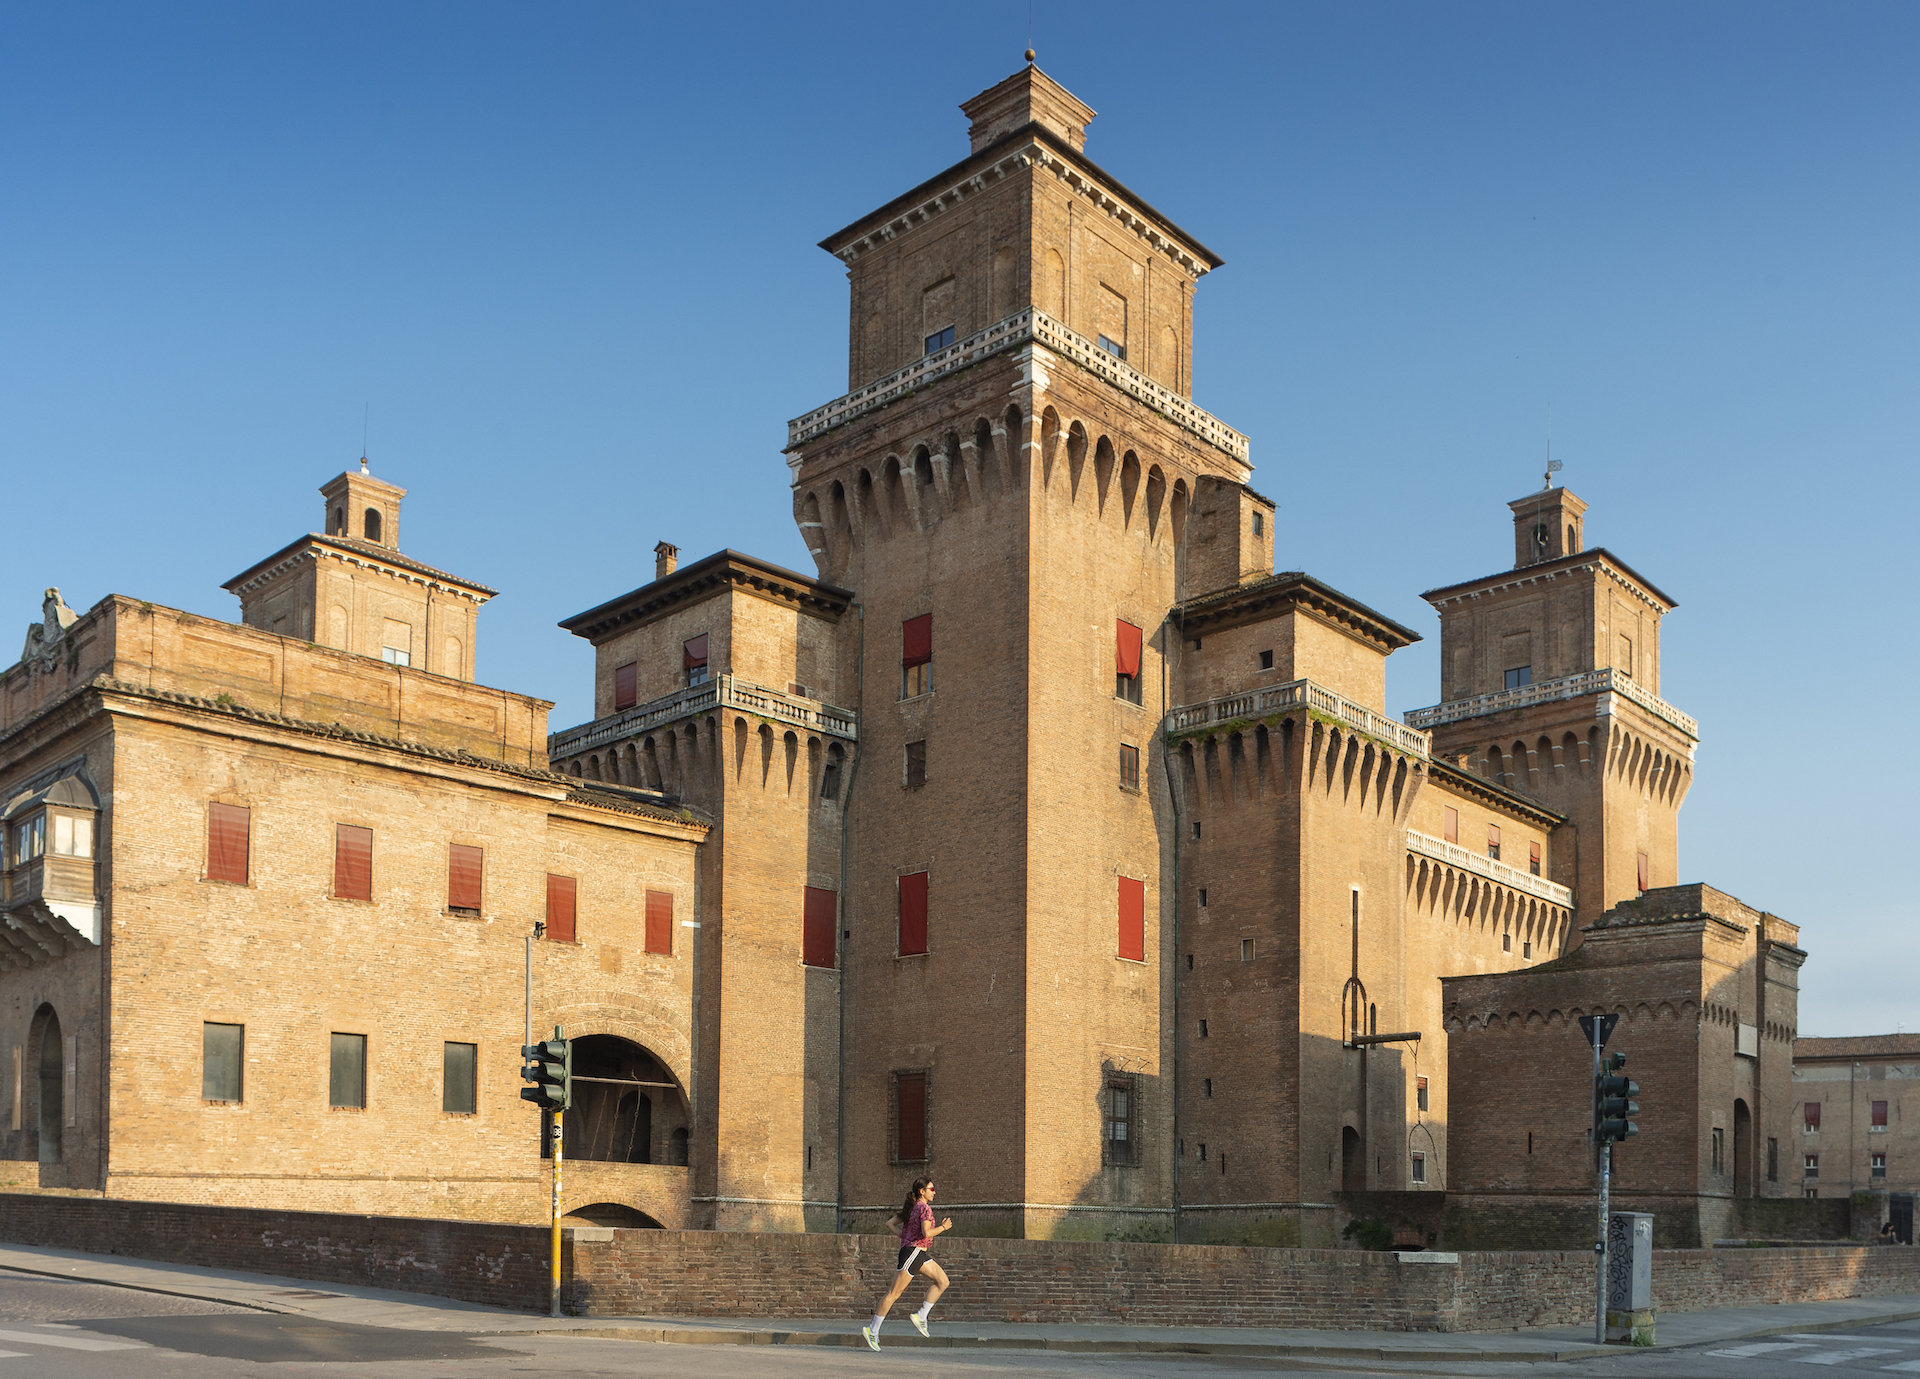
(1010, 486)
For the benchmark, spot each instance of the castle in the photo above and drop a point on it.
(1044, 840)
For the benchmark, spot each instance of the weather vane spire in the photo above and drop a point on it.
(1553, 465)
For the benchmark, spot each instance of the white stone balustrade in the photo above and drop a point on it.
(1261, 703)
(1464, 859)
(721, 692)
(1030, 326)
(1564, 687)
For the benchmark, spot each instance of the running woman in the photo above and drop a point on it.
(916, 1237)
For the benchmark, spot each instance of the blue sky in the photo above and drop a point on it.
(564, 256)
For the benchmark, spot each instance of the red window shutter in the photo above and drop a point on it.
(1880, 1114)
(916, 640)
(352, 862)
(820, 916)
(659, 921)
(1126, 638)
(227, 842)
(1533, 855)
(560, 900)
(910, 1115)
(1450, 824)
(463, 876)
(913, 913)
(694, 652)
(1133, 919)
(626, 685)
(1493, 835)
(1813, 1115)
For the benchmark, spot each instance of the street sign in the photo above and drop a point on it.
(1607, 1022)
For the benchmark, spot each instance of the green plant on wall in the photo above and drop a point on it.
(1370, 1235)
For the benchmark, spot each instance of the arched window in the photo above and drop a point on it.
(372, 527)
(339, 521)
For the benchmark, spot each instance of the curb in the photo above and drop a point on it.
(272, 1309)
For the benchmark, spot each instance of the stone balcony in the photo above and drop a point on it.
(1032, 326)
(1603, 681)
(1262, 703)
(1453, 855)
(721, 692)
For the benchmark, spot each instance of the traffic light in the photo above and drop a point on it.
(1612, 1100)
(549, 1068)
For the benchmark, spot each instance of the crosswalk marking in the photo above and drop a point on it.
(1825, 1336)
(1842, 1357)
(68, 1342)
(1910, 1366)
(14, 1355)
(1747, 1352)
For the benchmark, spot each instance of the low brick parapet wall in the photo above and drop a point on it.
(758, 1277)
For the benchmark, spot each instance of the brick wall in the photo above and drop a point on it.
(756, 1276)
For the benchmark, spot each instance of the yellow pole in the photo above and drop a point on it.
(554, 1279)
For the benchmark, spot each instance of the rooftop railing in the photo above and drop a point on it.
(1546, 691)
(721, 692)
(1440, 850)
(1261, 703)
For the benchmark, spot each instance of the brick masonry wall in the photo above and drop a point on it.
(758, 1276)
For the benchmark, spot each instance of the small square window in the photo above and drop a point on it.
(916, 680)
(1811, 1168)
(1129, 767)
(916, 764)
(940, 339)
(1266, 660)
(1810, 1193)
(394, 656)
(1113, 347)
(1246, 950)
(1519, 677)
(1878, 1163)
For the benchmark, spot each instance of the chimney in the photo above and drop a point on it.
(1027, 97)
(666, 559)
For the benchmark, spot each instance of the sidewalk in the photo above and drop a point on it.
(348, 1304)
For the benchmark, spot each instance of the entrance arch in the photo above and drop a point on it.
(627, 1108)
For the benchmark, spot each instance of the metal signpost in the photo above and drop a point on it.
(1612, 1104)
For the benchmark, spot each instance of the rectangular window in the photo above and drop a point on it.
(1879, 1115)
(1450, 824)
(1626, 655)
(1641, 863)
(352, 862)
(819, 918)
(1812, 1167)
(1266, 660)
(1812, 1114)
(1719, 1147)
(1773, 1160)
(221, 1050)
(660, 922)
(562, 892)
(1419, 1166)
(1133, 919)
(459, 1079)
(1129, 767)
(916, 656)
(1533, 858)
(693, 659)
(228, 827)
(1493, 841)
(1519, 677)
(1420, 1092)
(29, 839)
(916, 764)
(1121, 1141)
(1113, 347)
(1259, 524)
(465, 867)
(347, 1072)
(909, 1138)
(940, 339)
(1126, 680)
(396, 643)
(913, 914)
(626, 685)
(1878, 1164)
(1810, 1193)
(72, 837)
(1246, 950)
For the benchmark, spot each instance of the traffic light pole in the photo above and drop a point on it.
(554, 1276)
(1605, 1148)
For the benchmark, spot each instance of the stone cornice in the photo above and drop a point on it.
(1033, 146)
(1597, 561)
(1289, 592)
(705, 578)
(1445, 774)
(313, 547)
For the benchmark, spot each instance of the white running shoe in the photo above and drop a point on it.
(919, 1322)
(873, 1341)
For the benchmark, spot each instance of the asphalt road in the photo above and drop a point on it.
(74, 1330)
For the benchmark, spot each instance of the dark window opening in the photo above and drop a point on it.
(916, 767)
(1519, 677)
(1246, 950)
(372, 524)
(1419, 1166)
(1207, 1084)
(1203, 1029)
(1196, 832)
(1420, 1092)
(1129, 767)
(1773, 1160)
(1812, 1166)
(1718, 1150)
(1266, 660)
(1203, 898)
(347, 1072)
(940, 339)
(1878, 1164)
(1121, 1142)
(1259, 524)
(1506, 943)
(1189, 962)
(830, 781)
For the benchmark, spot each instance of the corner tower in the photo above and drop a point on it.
(1007, 488)
(1550, 683)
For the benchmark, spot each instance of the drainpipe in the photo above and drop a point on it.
(846, 815)
(1173, 792)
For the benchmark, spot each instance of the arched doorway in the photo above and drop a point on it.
(1353, 1164)
(52, 1111)
(627, 1108)
(1742, 1150)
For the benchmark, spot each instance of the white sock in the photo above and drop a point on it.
(925, 1308)
(877, 1319)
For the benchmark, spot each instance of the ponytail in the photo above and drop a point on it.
(913, 1199)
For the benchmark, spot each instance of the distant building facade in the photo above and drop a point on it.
(1855, 1118)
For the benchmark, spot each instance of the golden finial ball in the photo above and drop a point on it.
(1029, 55)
